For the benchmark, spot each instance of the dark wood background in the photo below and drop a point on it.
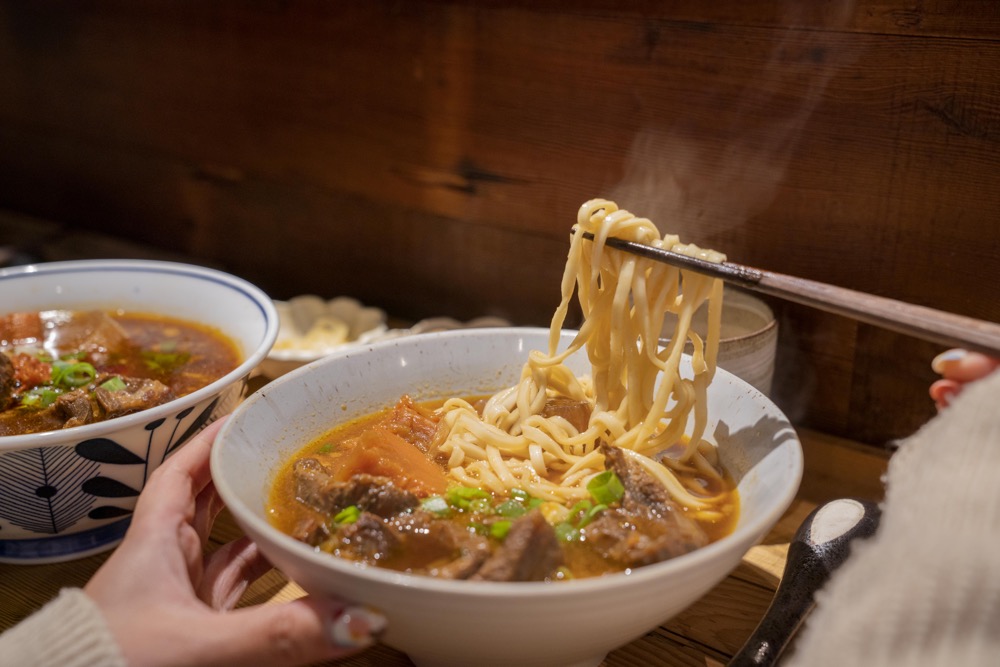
(429, 157)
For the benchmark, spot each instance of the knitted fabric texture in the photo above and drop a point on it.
(925, 589)
(69, 631)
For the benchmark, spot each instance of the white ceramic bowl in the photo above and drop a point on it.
(70, 493)
(445, 623)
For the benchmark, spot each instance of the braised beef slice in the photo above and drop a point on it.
(138, 394)
(312, 530)
(7, 383)
(530, 552)
(440, 548)
(575, 412)
(316, 488)
(369, 539)
(648, 527)
(77, 408)
(642, 492)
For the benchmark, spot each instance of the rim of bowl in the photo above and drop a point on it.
(753, 530)
(253, 357)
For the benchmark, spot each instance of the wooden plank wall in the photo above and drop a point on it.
(429, 157)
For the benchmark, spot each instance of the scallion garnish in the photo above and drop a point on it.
(349, 514)
(436, 505)
(40, 397)
(567, 532)
(164, 362)
(468, 499)
(72, 373)
(606, 488)
(499, 529)
(511, 509)
(113, 384)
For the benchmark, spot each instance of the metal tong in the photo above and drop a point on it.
(928, 324)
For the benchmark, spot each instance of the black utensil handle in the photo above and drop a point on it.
(820, 545)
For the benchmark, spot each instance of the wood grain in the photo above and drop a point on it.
(429, 157)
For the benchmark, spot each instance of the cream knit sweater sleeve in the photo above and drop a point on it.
(925, 589)
(69, 631)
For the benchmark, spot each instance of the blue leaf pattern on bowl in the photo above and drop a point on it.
(105, 450)
(41, 489)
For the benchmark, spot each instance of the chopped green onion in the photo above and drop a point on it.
(590, 514)
(325, 449)
(468, 498)
(511, 509)
(606, 488)
(349, 514)
(567, 532)
(436, 505)
(499, 529)
(520, 494)
(164, 361)
(40, 397)
(72, 373)
(113, 384)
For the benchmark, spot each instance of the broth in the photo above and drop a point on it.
(372, 491)
(60, 369)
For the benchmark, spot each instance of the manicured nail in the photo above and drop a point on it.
(358, 627)
(941, 362)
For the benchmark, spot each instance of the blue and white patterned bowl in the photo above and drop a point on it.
(70, 493)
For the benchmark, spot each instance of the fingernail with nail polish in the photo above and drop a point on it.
(357, 627)
(941, 362)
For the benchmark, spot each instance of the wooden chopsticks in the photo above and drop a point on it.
(928, 324)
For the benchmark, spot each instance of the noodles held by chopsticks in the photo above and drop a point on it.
(640, 402)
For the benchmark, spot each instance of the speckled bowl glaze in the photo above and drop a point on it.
(447, 623)
(70, 493)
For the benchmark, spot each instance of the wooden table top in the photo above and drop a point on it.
(707, 633)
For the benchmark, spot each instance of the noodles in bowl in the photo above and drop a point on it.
(555, 622)
(632, 382)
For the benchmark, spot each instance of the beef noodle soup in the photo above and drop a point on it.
(372, 491)
(559, 476)
(60, 368)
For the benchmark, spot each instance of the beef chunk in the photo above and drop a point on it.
(415, 542)
(77, 408)
(315, 487)
(575, 412)
(138, 394)
(642, 492)
(531, 552)
(7, 382)
(312, 530)
(369, 539)
(648, 527)
(633, 539)
(440, 548)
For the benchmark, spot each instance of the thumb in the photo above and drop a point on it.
(303, 631)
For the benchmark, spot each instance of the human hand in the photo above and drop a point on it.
(167, 603)
(958, 367)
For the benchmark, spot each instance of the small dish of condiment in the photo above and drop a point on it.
(313, 327)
